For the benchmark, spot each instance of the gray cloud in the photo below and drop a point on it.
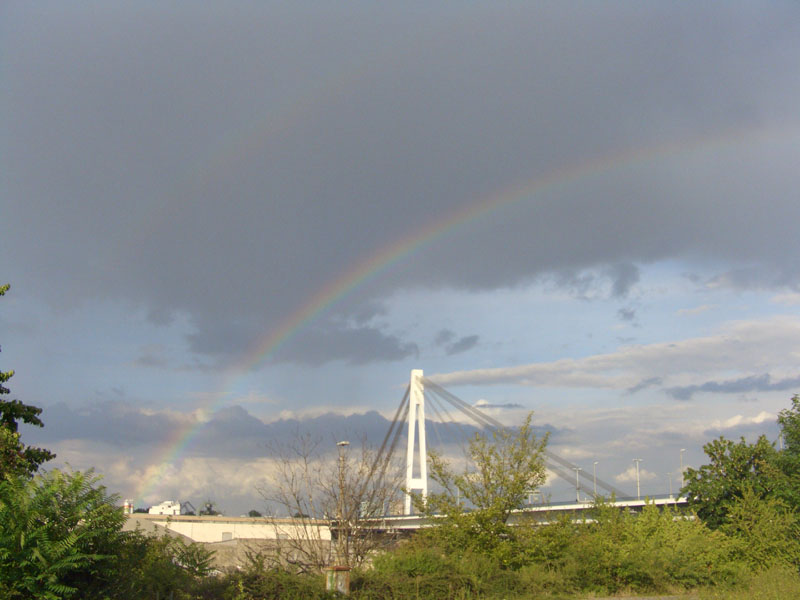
(152, 356)
(444, 336)
(753, 383)
(624, 276)
(352, 345)
(225, 165)
(117, 423)
(462, 344)
(231, 432)
(644, 384)
(626, 314)
(485, 404)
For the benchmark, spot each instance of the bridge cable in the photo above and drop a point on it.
(379, 456)
(495, 424)
(433, 423)
(450, 418)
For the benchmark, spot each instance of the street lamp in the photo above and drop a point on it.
(594, 473)
(638, 493)
(682, 451)
(340, 542)
(577, 484)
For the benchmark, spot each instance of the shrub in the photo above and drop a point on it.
(58, 532)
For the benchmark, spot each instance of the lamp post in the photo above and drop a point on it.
(638, 493)
(682, 451)
(669, 476)
(594, 474)
(340, 538)
(577, 484)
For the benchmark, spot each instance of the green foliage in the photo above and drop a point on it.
(162, 565)
(765, 531)
(420, 570)
(475, 504)
(775, 583)
(258, 582)
(734, 466)
(57, 533)
(16, 457)
(789, 422)
(657, 550)
(652, 552)
(789, 457)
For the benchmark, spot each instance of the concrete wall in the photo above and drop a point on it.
(210, 529)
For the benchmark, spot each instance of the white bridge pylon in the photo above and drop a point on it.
(416, 430)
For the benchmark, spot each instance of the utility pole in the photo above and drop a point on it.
(638, 492)
(340, 537)
(577, 484)
(594, 472)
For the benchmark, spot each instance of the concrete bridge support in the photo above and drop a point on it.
(416, 430)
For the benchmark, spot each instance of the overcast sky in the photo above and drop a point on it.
(215, 217)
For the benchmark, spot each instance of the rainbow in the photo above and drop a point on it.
(372, 266)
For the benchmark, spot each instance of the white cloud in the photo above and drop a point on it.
(695, 311)
(629, 475)
(787, 299)
(739, 420)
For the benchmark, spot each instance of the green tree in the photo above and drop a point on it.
(473, 507)
(17, 458)
(715, 487)
(789, 456)
(765, 531)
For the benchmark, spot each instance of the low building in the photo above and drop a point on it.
(173, 508)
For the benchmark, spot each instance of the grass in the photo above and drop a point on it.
(779, 583)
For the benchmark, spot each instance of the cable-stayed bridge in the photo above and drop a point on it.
(410, 415)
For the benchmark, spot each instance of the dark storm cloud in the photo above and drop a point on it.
(352, 345)
(232, 432)
(117, 423)
(225, 164)
(753, 383)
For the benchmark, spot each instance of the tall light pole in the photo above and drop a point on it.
(682, 451)
(577, 484)
(669, 476)
(638, 493)
(594, 473)
(340, 538)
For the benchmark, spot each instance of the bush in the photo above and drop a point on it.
(764, 532)
(58, 533)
